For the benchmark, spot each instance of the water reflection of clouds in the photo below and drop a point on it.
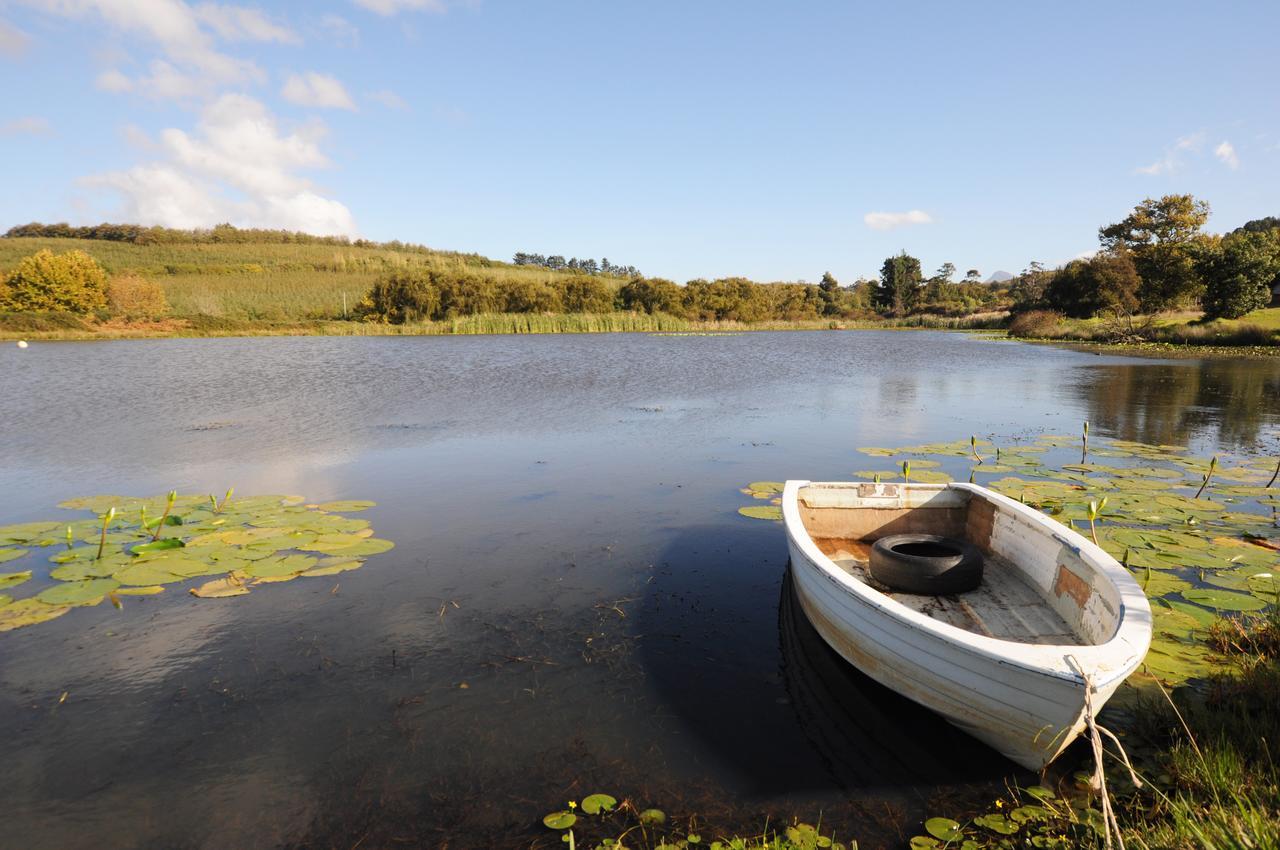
(527, 478)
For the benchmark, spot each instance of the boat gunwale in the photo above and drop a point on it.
(1128, 645)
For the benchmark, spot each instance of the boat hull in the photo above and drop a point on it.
(1028, 712)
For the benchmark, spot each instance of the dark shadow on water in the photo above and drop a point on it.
(773, 708)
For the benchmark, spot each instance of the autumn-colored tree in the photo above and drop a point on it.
(1166, 240)
(71, 282)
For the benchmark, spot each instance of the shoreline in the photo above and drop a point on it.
(572, 323)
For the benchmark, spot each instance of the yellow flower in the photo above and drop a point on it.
(999, 804)
(573, 805)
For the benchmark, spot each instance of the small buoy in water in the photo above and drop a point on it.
(22, 343)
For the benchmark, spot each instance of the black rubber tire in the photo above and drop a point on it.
(939, 566)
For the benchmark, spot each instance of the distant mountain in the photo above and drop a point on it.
(999, 277)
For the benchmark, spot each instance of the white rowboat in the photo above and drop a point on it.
(1008, 662)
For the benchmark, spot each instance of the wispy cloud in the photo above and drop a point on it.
(193, 63)
(30, 125)
(389, 99)
(237, 23)
(237, 146)
(1173, 156)
(13, 41)
(392, 7)
(891, 220)
(1226, 152)
(318, 90)
(343, 32)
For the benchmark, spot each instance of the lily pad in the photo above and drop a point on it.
(373, 546)
(597, 803)
(14, 579)
(761, 512)
(347, 507)
(11, 554)
(335, 566)
(25, 532)
(1223, 600)
(149, 590)
(221, 588)
(944, 829)
(157, 546)
(86, 593)
(560, 820)
(141, 575)
(28, 612)
(276, 567)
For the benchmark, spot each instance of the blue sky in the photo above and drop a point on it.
(691, 139)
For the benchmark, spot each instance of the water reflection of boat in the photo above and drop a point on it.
(867, 735)
(1009, 662)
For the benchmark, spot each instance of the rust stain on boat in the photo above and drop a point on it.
(1072, 585)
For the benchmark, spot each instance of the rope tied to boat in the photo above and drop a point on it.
(1099, 778)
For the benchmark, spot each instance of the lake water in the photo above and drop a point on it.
(573, 604)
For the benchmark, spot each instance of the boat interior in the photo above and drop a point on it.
(1036, 587)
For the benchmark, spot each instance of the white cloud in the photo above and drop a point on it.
(1172, 159)
(194, 61)
(343, 32)
(890, 220)
(237, 166)
(114, 81)
(237, 23)
(319, 90)
(13, 41)
(392, 7)
(389, 99)
(31, 125)
(1226, 152)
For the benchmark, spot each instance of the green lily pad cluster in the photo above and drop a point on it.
(138, 546)
(637, 828)
(1035, 818)
(769, 491)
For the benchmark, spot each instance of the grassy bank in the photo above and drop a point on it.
(1257, 333)
(66, 326)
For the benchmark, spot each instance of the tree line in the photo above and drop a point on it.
(1160, 258)
(414, 295)
(558, 263)
(226, 234)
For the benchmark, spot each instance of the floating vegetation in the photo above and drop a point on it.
(607, 824)
(138, 546)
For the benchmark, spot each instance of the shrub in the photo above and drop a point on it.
(1036, 323)
(136, 297)
(1240, 273)
(409, 295)
(73, 282)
